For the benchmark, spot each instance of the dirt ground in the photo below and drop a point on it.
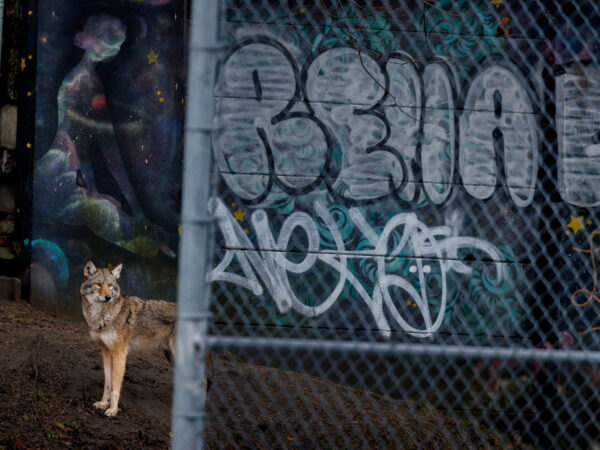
(52, 373)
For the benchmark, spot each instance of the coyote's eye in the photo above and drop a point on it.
(97, 285)
(110, 286)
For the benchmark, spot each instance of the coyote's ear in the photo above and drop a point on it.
(116, 271)
(89, 269)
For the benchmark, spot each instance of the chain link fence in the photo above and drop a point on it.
(406, 201)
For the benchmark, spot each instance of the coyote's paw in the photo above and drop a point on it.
(111, 412)
(102, 405)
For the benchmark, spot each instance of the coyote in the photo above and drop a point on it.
(120, 323)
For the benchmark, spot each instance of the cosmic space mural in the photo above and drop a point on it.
(107, 144)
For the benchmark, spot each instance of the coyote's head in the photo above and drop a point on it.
(100, 285)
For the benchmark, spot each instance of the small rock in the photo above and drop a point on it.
(10, 288)
(8, 127)
(6, 253)
(7, 226)
(8, 196)
(8, 161)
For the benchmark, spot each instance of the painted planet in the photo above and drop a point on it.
(99, 102)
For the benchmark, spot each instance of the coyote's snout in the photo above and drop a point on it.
(121, 323)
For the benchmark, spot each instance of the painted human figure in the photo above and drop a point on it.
(85, 149)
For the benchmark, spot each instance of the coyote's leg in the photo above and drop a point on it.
(118, 371)
(107, 362)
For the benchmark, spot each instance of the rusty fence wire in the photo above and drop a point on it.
(406, 200)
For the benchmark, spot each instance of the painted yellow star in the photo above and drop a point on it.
(589, 221)
(497, 3)
(23, 65)
(576, 224)
(239, 215)
(152, 57)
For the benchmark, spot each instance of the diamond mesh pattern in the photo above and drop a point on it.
(417, 172)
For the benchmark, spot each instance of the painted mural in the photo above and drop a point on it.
(379, 171)
(108, 143)
(385, 170)
(369, 181)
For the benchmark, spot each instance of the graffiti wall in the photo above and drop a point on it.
(384, 171)
(426, 171)
(371, 179)
(108, 99)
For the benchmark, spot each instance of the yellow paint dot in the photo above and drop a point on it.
(233, 204)
(44, 39)
(29, 56)
(29, 12)
(29, 145)
(246, 230)
(589, 221)
(408, 303)
(301, 10)
(28, 93)
(157, 92)
(567, 232)
(182, 101)
(161, 99)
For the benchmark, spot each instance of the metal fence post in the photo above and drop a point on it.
(193, 289)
